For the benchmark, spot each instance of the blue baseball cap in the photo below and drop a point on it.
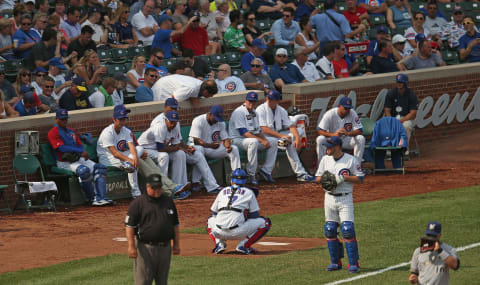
(420, 37)
(62, 114)
(382, 29)
(26, 88)
(259, 43)
(29, 98)
(172, 116)
(57, 62)
(333, 141)
(172, 103)
(164, 18)
(39, 69)
(217, 112)
(274, 95)
(120, 112)
(433, 229)
(251, 96)
(346, 103)
(402, 78)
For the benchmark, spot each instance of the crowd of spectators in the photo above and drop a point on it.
(276, 43)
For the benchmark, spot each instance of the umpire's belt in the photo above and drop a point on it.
(230, 228)
(156, 243)
(338, 194)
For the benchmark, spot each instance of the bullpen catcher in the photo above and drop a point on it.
(235, 215)
(337, 172)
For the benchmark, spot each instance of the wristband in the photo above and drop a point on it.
(443, 255)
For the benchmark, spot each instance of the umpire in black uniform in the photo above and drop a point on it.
(152, 218)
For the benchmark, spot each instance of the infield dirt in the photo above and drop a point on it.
(46, 238)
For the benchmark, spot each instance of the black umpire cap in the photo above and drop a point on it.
(154, 180)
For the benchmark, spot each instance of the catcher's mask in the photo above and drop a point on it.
(239, 176)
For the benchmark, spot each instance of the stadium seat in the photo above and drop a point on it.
(446, 8)
(341, 7)
(113, 68)
(216, 60)
(237, 72)
(6, 14)
(450, 57)
(367, 128)
(264, 25)
(417, 6)
(205, 58)
(398, 31)
(104, 55)
(11, 68)
(119, 55)
(135, 51)
(476, 19)
(170, 62)
(378, 20)
(25, 166)
(372, 34)
(233, 59)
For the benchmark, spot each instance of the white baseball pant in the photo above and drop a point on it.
(252, 146)
(160, 158)
(132, 177)
(244, 230)
(409, 127)
(357, 143)
(339, 208)
(219, 152)
(74, 165)
(292, 154)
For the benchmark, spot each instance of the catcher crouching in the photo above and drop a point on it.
(337, 172)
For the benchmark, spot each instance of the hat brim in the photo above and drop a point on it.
(431, 233)
(61, 66)
(219, 118)
(155, 185)
(347, 106)
(327, 144)
(262, 46)
(81, 88)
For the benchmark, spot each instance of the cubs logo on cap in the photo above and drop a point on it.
(346, 102)
(251, 96)
(172, 103)
(172, 116)
(62, 114)
(274, 95)
(120, 112)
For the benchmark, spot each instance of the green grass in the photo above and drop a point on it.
(387, 230)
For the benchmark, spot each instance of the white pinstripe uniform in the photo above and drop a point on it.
(159, 133)
(280, 122)
(242, 118)
(340, 208)
(331, 122)
(217, 132)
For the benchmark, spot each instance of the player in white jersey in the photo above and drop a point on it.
(115, 147)
(275, 123)
(247, 135)
(209, 136)
(235, 215)
(432, 261)
(164, 142)
(339, 203)
(342, 122)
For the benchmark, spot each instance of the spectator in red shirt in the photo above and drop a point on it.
(340, 65)
(355, 14)
(196, 38)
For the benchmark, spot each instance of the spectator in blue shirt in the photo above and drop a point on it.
(25, 37)
(307, 8)
(26, 107)
(285, 29)
(332, 26)
(144, 92)
(163, 36)
(373, 49)
(258, 48)
(470, 42)
(374, 7)
(285, 73)
(156, 60)
(71, 25)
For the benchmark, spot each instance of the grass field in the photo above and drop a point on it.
(388, 231)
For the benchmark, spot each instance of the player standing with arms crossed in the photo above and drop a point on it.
(235, 215)
(337, 173)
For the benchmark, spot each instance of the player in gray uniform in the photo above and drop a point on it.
(247, 135)
(432, 261)
(276, 124)
(342, 122)
(339, 203)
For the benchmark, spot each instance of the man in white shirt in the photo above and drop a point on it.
(94, 16)
(245, 130)
(55, 65)
(227, 83)
(183, 88)
(276, 124)
(144, 25)
(306, 67)
(103, 96)
(432, 22)
(325, 65)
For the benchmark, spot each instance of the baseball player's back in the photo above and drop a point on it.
(243, 199)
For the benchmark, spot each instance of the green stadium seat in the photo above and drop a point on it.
(264, 25)
(446, 7)
(205, 58)
(341, 7)
(119, 55)
(170, 62)
(417, 6)
(237, 72)
(217, 59)
(104, 54)
(233, 59)
(398, 31)
(450, 57)
(114, 68)
(378, 20)
(135, 51)
(6, 14)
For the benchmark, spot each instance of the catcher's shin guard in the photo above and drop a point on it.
(88, 189)
(100, 172)
(259, 233)
(335, 247)
(348, 232)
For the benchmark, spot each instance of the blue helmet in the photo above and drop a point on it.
(239, 176)
(402, 78)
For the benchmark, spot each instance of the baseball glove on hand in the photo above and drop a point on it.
(328, 181)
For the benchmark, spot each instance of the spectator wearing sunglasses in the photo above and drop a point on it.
(40, 74)
(285, 29)
(255, 79)
(24, 78)
(25, 38)
(156, 61)
(413, 31)
(470, 42)
(454, 30)
(144, 92)
(307, 68)
(285, 73)
(48, 95)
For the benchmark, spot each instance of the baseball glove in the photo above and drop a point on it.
(427, 243)
(328, 181)
(284, 142)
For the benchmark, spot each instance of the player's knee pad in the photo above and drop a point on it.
(262, 231)
(330, 229)
(348, 230)
(83, 172)
(268, 223)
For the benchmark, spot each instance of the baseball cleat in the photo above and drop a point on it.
(216, 191)
(182, 196)
(266, 176)
(246, 250)
(99, 203)
(253, 180)
(353, 268)
(196, 187)
(219, 248)
(306, 178)
(334, 267)
(182, 188)
(106, 202)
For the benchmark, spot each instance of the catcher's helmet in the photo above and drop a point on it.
(402, 78)
(239, 176)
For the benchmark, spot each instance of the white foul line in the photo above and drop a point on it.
(361, 276)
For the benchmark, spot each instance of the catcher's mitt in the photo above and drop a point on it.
(328, 181)
(284, 142)
(427, 243)
(70, 157)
